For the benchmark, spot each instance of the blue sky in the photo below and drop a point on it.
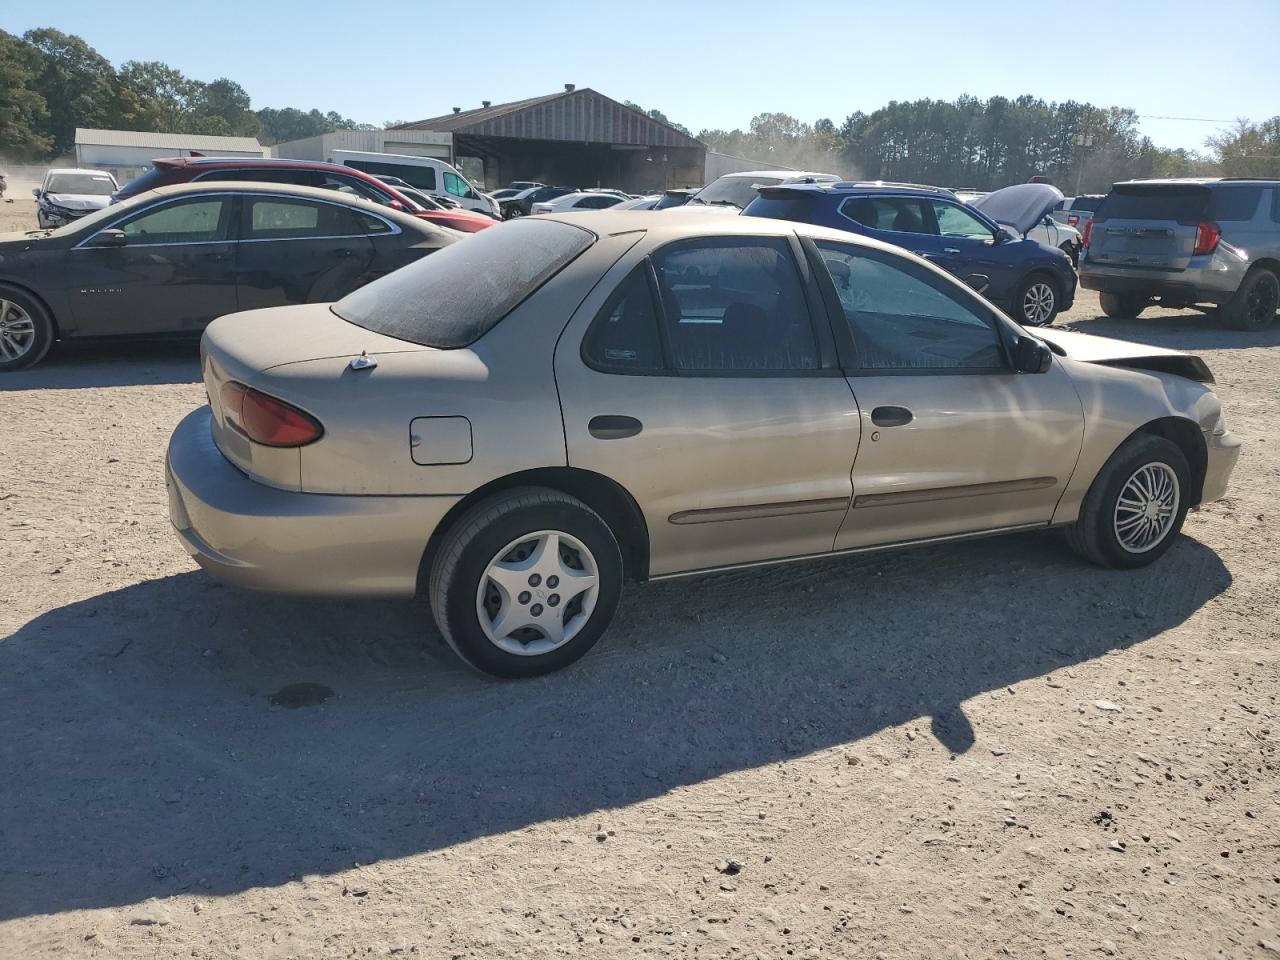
(709, 63)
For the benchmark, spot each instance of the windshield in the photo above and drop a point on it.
(96, 184)
(738, 191)
(455, 296)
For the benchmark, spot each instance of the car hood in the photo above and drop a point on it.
(1107, 351)
(1021, 206)
(78, 201)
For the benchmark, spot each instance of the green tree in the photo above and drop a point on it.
(1249, 150)
(167, 99)
(23, 113)
(226, 101)
(78, 85)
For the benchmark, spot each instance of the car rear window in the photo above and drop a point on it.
(779, 204)
(1154, 203)
(155, 177)
(1234, 203)
(455, 296)
(1085, 203)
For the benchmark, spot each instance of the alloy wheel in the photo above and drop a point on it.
(1038, 303)
(1261, 303)
(537, 593)
(1146, 508)
(17, 331)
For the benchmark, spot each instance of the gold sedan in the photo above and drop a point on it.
(516, 424)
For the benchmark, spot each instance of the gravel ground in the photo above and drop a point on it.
(979, 750)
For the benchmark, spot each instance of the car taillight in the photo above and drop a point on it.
(1208, 234)
(1088, 231)
(266, 420)
(1072, 220)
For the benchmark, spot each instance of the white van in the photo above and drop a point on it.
(431, 176)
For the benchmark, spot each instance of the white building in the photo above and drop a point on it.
(413, 143)
(128, 153)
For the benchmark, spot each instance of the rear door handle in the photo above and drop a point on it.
(343, 252)
(950, 249)
(613, 427)
(891, 416)
(217, 256)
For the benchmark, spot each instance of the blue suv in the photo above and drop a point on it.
(1028, 280)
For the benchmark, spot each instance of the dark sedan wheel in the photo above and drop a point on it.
(514, 213)
(1136, 505)
(1037, 301)
(1254, 305)
(526, 582)
(26, 329)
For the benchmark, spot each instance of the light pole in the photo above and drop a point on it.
(1084, 140)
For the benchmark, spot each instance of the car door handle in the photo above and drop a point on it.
(343, 252)
(613, 427)
(217, 256)
(950, 249)
(891, 416)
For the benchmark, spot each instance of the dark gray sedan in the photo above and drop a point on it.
(174, 259)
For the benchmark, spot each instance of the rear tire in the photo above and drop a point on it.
(508, 586)
(1254, 305)
(26, 329)
(1122, 307)
(1037, 301)
(1114, 528)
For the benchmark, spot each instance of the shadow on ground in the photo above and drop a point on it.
(141, 755)
(1186, 330)
(114, 363)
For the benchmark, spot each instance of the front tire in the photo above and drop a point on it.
(515, 213)
(1036, 303)
(1136, 505)
(1254, 305)
(26, 329)
(526, 582)
(1122, 307)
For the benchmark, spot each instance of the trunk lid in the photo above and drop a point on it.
(1148, 226)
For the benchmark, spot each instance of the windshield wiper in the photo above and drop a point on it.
(724, 203)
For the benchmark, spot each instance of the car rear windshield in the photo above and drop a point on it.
(779, 204)
(456, 295)
(1085, 203)
(1190, 203)
(155, 177)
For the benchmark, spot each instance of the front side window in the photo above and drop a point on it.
(955, 221)
(193, 221)
(895, 214)
(277, 218)
(901, 318)
(624, 336)
(735, 306)
(455, 185)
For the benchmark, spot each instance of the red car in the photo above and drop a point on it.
(166, 171)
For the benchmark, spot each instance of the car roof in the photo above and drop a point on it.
(1192, 181)
(784, 174)
(865, 187)
(96, 173)
(249, 162)
(278, 189)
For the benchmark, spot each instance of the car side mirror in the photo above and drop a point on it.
(1004, 236)
(107, 238)
(396, 205)
(1031, 355)
(978, 281)
(36, 193)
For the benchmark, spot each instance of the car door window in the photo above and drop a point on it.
(455, 185)
(354, 187)
(895, 214)
(278, 218)
(735, 306)
(192, 221)
(902, 318)
(955, 221)
(623, 338)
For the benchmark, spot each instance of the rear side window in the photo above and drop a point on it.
(624, 336)
(1234, 203)
(455, 296)
(895, 214)
(278, 218)
(1154, 203)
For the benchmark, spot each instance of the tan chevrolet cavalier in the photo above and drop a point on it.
(514, 425)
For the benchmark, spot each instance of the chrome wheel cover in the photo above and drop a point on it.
(17, 331)
(537, 593)
(1146, 507)
(1038, 303)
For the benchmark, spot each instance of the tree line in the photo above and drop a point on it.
(52, 82)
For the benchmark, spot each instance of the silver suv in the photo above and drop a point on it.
(1187, 242)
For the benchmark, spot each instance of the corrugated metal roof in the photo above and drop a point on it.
(164, 141)
(582, 115)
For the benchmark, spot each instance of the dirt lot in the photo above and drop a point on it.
(981, 750)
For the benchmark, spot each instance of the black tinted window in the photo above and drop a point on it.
(424, 178)
(781, 205)
(456, 295)
(896, 214)
(1154, 203)
(735, 306)
(901, 318)
(1234, 203)
(155, 177)
(1085, 203)
(624, 336)
(198, 220)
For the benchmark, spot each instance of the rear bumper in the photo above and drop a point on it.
(1188, 286)
(263, 538)
(1223, 452)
